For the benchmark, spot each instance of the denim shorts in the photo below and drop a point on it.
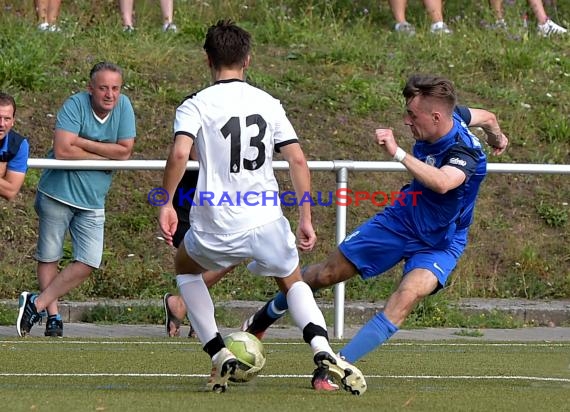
(85, 226)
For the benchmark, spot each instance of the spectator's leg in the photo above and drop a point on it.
(53, 11)
(398, 8)
(41, 13)
(434, 9)
(497, 7)
(46, 274)
(546, 27)
(167, 8)
(538, 10)
(69, 278)
(126, 7)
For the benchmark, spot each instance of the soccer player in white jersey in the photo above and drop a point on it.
(236, 213)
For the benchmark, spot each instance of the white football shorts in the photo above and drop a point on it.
(271, 246)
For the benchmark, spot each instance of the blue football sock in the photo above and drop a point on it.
(278, 306)
(373, 334)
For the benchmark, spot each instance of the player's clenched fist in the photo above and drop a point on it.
(385, 138)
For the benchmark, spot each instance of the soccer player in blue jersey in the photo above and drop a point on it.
(448, 165)
(14, 150)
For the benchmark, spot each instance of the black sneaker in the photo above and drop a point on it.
(27, 314)
(259, 322)
(54, 327)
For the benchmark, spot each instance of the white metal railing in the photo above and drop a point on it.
(341, 167)
(326, 165)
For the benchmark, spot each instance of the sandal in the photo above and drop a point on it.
(170, 319)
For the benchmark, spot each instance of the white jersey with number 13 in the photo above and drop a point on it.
(236, 128)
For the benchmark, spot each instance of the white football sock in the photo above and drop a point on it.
(304, 310)
(199, 306)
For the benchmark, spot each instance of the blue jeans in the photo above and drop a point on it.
(85, 226)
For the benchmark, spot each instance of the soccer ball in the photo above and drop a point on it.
(250, 355)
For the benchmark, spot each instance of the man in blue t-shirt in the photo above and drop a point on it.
(14, 150)
(96, 124)
(427, 229)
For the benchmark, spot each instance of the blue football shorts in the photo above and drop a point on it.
(382, 242)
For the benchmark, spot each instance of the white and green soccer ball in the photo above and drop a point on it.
(250, 355)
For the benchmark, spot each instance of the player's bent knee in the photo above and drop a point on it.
(327, 276)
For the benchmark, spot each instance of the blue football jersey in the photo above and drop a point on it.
(435, 217)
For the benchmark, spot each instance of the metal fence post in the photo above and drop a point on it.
(341, 183)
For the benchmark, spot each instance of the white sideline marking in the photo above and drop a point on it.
(193, 375)
(194, 342)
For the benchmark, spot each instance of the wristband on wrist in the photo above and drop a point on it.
(400, 155)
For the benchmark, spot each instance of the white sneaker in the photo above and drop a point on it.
(405, 28)
(43, 27)
(169, 27)
(500, 24)
(549, 28)
(348, 375)
(224, 364)
(440, 28)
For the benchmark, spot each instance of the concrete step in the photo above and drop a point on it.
(537, 313)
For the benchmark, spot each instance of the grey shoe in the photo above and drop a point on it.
(169, 27)
(440, 28)
(405, 28)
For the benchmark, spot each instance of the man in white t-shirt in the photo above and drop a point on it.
(236, 213)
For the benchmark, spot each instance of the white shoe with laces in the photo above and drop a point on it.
(343, 372)
(549, 28)
(224, 364)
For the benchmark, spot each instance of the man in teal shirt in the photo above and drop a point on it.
(97, 124)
